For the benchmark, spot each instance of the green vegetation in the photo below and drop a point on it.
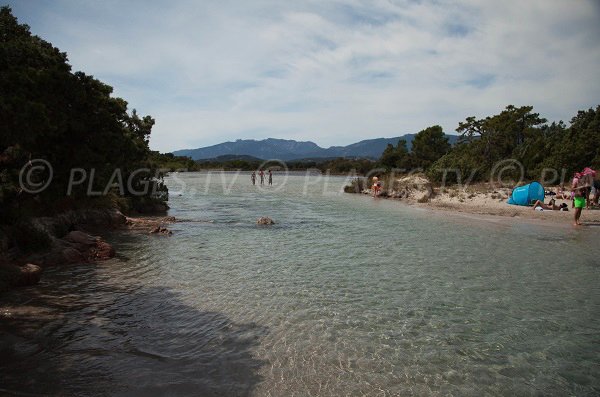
(516, 134)
(169, 162)
(428, 146)
(522, 135)
(70, 120)
(334, 166)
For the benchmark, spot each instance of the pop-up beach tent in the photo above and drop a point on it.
(526, 195)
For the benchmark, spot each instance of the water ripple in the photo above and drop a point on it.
(345, 295)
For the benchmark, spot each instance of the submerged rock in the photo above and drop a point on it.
(76, 247)
(265, 220)
(161, 230)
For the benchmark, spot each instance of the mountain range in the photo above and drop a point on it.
(286, 149)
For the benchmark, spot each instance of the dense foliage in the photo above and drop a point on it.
(169, 162)
(68, 119)
(517, 143)
(334, 166)
(428, 146)
(536, 150)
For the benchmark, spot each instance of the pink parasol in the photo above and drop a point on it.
(588, 171)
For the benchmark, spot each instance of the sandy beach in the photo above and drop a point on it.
(479, 199)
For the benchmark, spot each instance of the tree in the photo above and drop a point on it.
(68, 119)
(396, 157)
(429, 145)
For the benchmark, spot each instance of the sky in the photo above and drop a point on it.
(332, 72)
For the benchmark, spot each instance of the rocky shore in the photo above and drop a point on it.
(66, 239)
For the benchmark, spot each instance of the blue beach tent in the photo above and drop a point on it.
(526, 195)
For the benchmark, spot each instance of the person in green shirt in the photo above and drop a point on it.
(579, 190)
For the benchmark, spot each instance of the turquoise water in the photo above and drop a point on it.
(345, 295)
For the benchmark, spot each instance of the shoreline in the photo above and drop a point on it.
(70, 238)
(480, 200)
(479, 207)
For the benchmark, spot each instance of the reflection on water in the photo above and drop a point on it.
(344, 295)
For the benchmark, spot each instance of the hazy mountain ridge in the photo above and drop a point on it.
(287, 149)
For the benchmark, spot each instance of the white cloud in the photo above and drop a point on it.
(332, 72)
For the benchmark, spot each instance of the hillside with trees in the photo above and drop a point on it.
(71, 121)
(552, 151)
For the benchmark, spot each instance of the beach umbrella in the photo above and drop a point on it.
(588, 171)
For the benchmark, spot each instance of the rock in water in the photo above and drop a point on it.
(29, 275)
(102, 251)
(161, 230)
(79, 237)
(155, 230)
(71, 255)
(264, 220)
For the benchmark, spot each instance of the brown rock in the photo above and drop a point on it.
(102, 251)
(161, 230)
(78, 237)
(117, 218)
(29, 275)
(71, 255)
(264, 220)
(155, 230)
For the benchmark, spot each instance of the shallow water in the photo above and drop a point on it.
(345, 295)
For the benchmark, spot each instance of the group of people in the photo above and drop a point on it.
(261, 174)
(585, 193)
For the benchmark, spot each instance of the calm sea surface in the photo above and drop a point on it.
(345, 295)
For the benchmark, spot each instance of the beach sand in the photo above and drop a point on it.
(483, 200)
(479, 199)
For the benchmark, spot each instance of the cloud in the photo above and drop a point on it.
(332, 72)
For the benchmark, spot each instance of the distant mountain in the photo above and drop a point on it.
(369, 148)
(232, 157)
(265, 149)
(291, 150)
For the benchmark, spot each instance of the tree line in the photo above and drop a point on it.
(538, 150)
(70, 120)
(549, 151)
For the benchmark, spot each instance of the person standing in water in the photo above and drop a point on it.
(579, 191)
(270, 177)
(262, 177)
(253, 177)
(376, 186)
